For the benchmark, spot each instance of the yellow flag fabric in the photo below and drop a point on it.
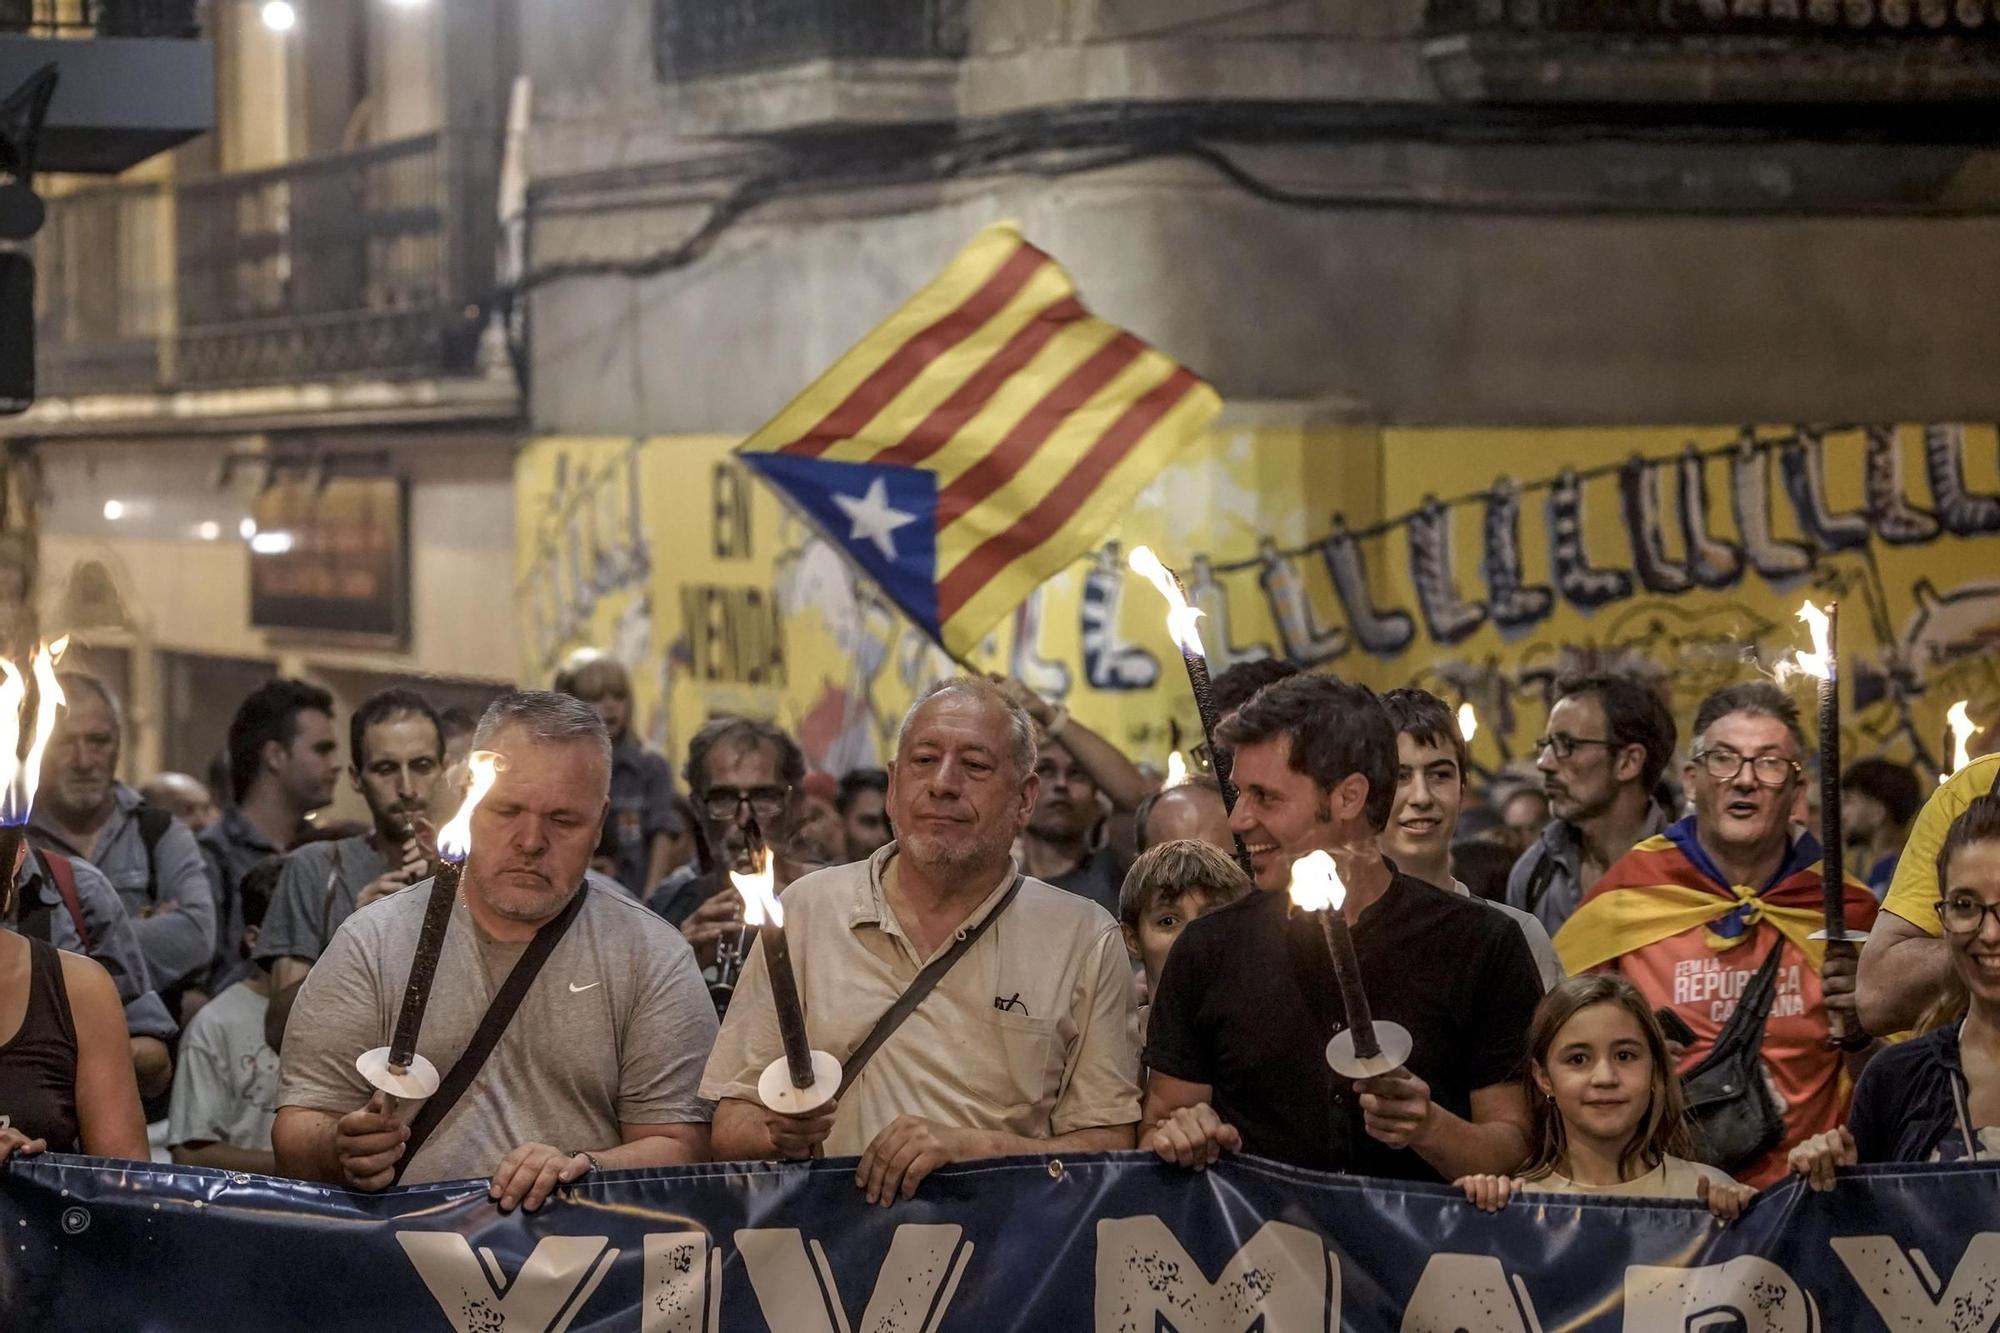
(986, 435)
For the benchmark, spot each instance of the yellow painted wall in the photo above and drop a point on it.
(733, 605)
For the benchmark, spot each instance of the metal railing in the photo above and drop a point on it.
(378, 262)
(696, 38)
(1757, 18)
(101, 18)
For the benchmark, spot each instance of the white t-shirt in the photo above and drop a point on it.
(1673, 1178)
(226, 1088)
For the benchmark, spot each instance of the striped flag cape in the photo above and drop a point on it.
(986, 435)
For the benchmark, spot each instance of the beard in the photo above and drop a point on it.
(936, 855)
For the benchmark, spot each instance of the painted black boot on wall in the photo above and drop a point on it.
(1962, 512)
(1582, 584)
(1804, 465)
(1639, 497)
(1512, 602)
(1447, 616)
(1896, 520)
(1306, 640)
(1381, 632)
(1750, 495)
(1109, 662)
(1712, 562)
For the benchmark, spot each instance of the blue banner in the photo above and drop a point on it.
(1115, 1244)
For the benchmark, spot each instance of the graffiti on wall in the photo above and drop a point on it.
(1683, 553)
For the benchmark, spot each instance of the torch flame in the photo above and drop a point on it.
(1819, 662)
(1468, 722)
(760, 897)
(1177, 769)
(1963, 729)
(455, 838)
(1316, 884)
(20, 777)
(1182, 619)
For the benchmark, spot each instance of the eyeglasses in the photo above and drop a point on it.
(1771, 770)
(1963, 914)
(1565, 744)
(767, 803)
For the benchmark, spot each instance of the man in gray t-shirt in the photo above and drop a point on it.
(601, 1063)
(397, 746)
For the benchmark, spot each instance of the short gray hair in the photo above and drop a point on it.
(1023, 742)
(72, 681)
(545, 716)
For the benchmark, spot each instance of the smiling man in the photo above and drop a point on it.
(1247, 999)
(1028, 1043)
(597, 1067)
(1430, 790)
(1690, 917)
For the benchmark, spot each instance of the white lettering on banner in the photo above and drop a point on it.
(555, 1282)
(1469, 1293)
(1281, 1281)
(682, 1283)
(1905, 1291)
(1747, 1295)
(797, 1294)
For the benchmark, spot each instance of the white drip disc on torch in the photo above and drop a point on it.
(775, 1089)
(419, 1082)
(1850, 936)
(1393, 1038)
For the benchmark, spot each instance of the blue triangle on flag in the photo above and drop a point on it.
(883, 517)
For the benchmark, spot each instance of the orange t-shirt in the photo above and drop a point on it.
(1684, 974)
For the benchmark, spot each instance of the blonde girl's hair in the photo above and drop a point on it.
(1663, 1133)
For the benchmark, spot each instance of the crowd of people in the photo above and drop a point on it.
(1017, 941)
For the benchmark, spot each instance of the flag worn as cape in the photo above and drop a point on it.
(1668, 884)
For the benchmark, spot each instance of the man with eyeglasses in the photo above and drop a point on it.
(740, 772)
(1691, 917)
(1608, 742)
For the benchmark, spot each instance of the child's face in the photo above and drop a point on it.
(1158, 929)
(1601, 1074)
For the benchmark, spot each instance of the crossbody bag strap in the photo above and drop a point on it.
(926, 982)
(498, 1015)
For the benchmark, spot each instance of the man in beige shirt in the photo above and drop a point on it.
(1028, 1045)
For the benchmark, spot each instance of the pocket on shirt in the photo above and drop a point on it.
(1021, 1065)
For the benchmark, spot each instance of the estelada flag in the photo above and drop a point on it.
(986, 435)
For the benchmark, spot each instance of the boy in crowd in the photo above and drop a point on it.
(1167, 887)
(226, 1090)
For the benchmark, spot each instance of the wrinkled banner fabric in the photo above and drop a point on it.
(1116, 1243)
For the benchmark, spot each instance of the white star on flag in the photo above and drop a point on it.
(873, 519)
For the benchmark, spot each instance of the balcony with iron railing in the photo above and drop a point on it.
(180, 19)
(370, 264)
(1717, 51)
(699, 38)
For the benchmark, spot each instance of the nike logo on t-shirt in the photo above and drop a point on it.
(575, 989)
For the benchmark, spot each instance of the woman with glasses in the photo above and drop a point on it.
(1936, 1098)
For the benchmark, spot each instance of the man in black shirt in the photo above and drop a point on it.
(1248, 1000)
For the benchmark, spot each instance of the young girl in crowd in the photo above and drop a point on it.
(1936, 1098)
(1608, 1113)
(65, 1061)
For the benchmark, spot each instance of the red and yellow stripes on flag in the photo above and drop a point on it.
(1040, 421)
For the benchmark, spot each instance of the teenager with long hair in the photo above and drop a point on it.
(1936, 1097)
(1608, 1113)
(66, 1079)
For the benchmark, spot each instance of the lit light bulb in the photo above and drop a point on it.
(280, 16)
(208, 531)
(114, 510)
